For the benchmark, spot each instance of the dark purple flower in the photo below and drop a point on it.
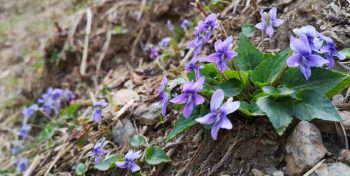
(97, 112)
(218, 113)
(170, 25)
(154, 53)
(22, 165)
(194, 66)
(23, 132)
(268, 21)
(303, 57)
(29, 111)
(129, 162)
(223, 53)
(165, 42)
(190, 96)
(329, 51)
(98, 150)
(164, 99)
(67, 95)
(185, 24)
(203, 31)
(313, 37)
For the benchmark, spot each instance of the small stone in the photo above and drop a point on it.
(123, 96)
(123, 132)
(339, 169)
(345, 119)
(338, 99)
(148, 114)
(257, 172)
(304, 148)
(278, 173)
(322, 170)
(344, 156)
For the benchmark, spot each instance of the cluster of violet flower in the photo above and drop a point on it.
(50, 102)
(164, 43)
(129, 163)
(190, 96)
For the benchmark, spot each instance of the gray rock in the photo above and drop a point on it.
(123, 131)
(148, 114)
(278, 173)
(304, 148)
(339, 169)
(123, 96)
(257, 172)
(338, 99)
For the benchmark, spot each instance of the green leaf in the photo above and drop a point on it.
(250, 109)
(323, 80)
(231, 87)
(137, 140)
(232, 74)
(346, 52)
(119, 30)
(248, 29)
(269, 69)
(71, 112)
(155, 155)
(314, 105)
(277, 92)
(81, 169)
(279, 111)
(108, 163)
(49, 131)
(248, 55)
(183, 124)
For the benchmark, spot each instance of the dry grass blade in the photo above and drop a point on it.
(314, 168)
(86, 40)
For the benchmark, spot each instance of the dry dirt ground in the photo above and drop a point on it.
(37, 52)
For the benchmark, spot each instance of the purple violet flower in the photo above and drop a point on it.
(185, 24)
(303, 57)
(164, 99)
(329, 51)
(98, 150)
(68, 95)
(22, 165)
(154, 53)
(194, 66)
(23, 132)
(223, 53)
(97, 112)
(218, 113)
(312, 35)
(203, 31)
(190, 96)
(51, 100)
(170, 25)
(29, 111)
(129, 162)
(165, 42)
(268, 21)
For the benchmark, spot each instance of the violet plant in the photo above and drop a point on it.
(293, 83)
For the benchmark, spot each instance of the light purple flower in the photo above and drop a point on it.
(22, 165)
(313, 37)
(23, 132)
(329, 51)
(97, 112)
(194, 66)
(185, 24)
(203, 31)
(165, 42)
(170, 25)
(99, 150)
(218, 113)
(15, 149)
(129, 162)
(164, 99)
(29, 111)
(269, 21)
(303, 57)
(190, 96)
(51, 101)
(154, 53)
(223, 53)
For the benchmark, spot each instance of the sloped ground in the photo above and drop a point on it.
(114, 61)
